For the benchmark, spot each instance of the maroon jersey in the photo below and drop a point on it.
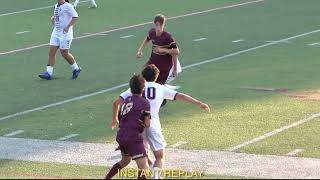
(162, 61)
(131, 118)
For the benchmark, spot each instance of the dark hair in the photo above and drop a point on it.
(150, 73)
(67, 1)
(137, 83)
(161, 19)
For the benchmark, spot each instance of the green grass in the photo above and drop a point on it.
(238, 115)
(33, 170)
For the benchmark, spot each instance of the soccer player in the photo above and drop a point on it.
(164, 53)
(155, 94)
(93, 4)
(134, 117)
(63, 20)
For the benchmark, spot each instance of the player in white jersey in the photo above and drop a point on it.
(63, 19)
(155, 94)
(93, 4)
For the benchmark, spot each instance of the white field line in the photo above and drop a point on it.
(128, 36)
(31, 10)
(200, 39)
(136, 25)
(295, 152)
(314, 44)
(22, 32)
(288, 42)
(14, 133)
(67, 137)
(212, 162)
(275, 132)
(238, 40)
(179, 143)
(185, 67)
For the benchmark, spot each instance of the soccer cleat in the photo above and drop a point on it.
(46, 76)
(75, 73)
(93, 6)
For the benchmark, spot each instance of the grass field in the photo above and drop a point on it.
(238, 115)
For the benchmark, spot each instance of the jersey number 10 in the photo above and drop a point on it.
(151, 93)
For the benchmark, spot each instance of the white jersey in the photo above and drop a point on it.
(63, 15)
(155, 94)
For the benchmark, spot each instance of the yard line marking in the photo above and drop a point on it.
(275, 132)
(295, 152)
(185, 67)
(288, 42)
(34, 9)
(178, 144)
(14, 133)
(239, 40)
(251, 49)
(128, 36)
(200, 39)
(22, 32)
(314, 44)
(136, 25)
(63, 102)
(67, 137)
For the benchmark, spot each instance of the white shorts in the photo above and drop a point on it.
(155, 139)
(62, 43)
(179, 70)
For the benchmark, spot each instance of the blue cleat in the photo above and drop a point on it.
(76, 73)
(46, 76)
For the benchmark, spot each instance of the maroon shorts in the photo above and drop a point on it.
(135, 149)
(163, 76)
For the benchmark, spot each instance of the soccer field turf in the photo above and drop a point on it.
(240, 48)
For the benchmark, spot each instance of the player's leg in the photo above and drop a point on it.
(64, 49)
(75, 4)
(54, 46)
(143, 167)
(157, 144)
(125, 160)
(148, 150)
(93, 4)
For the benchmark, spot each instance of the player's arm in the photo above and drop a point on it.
(147, 119)
(174, 65)
(115, 111)
(191, 100)
(72, 22)
(142, 47)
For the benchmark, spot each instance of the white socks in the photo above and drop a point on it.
(157, 173)
(74, 66)
(50, 70)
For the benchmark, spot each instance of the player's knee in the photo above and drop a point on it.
(159, 155)
(124, 162)
(64, 53)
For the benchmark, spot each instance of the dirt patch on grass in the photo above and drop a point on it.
(306, 95)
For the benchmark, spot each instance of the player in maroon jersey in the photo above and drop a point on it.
(165, 51)
(134, 118)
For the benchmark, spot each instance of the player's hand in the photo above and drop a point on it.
(205, 107)
(65, 30)
(114, 123)
(139, 54)
(53, 19)
(174, 74)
